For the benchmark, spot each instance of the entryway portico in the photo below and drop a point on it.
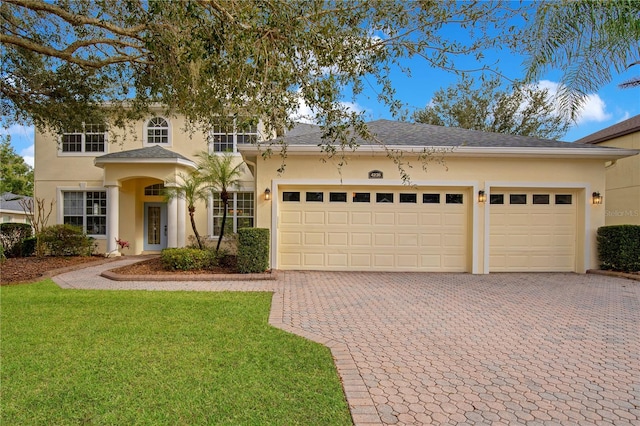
(137, 210)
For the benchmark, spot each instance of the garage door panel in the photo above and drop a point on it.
(532, 237)
(380, 236)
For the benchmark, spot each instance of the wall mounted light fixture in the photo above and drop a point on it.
(596, 198)
(267, 194)
(482, 196)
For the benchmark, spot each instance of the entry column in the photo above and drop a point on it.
(113, 219)
(172, 222)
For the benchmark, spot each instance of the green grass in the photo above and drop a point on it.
(155, 358)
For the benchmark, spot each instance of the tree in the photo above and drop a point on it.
(589, 40)
(191, 188)
(206, 59)
(220, 175)
(525, 110)
(16, 176)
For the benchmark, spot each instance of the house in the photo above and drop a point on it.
(622, 189)
(500, 202)
(11, 210)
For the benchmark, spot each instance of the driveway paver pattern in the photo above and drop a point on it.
(417, 348)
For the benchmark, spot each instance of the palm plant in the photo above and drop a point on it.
(220, 175)
(192, 188)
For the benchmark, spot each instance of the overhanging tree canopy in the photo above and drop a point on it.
(207, 59)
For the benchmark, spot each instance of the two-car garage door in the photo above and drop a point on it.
(385, 228)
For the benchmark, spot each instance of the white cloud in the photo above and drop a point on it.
(593, 109)
(305, 114)
(626, 116)
(28, 155)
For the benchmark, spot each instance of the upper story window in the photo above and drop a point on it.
(88, 138)
(158, 132)
(228, 134)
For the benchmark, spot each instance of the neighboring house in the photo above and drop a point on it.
(622, 190)
(11, 209)
(538, 214)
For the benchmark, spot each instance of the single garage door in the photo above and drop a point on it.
(373, 228)
(532, 230)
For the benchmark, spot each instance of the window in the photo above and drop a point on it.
(408, 198)
(87, 210)
(563, 198)
(315, 197)
(338, 197)
(454, 198)
(431, 198)
(540, 198)
(290, 196)
(89, 138)
(518, 199)
(158, 131)
(154, 189)
(496, 199)
(239, 212)
(384, 197)
(361, 197)
(227, 134)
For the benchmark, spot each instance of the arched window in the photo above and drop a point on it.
(158, 131)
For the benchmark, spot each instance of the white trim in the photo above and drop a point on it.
(473, 185)
(60, 204)
(463, 151)
(99, 162)
(145, 133)
(586, 255)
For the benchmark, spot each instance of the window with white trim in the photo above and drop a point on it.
(240, 212)
(228, 134)
(89, 138)
(86, 209)
(158, 131)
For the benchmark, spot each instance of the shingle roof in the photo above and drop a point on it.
(152, 152)
(10, 201)
(625, 127)
(418, 134)
(302, 129)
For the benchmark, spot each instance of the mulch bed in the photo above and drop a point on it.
(18, 270)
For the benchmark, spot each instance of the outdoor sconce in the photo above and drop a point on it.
(596, 198)
(482, 196)
(267, 194)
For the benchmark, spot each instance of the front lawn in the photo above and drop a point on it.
(155, 358)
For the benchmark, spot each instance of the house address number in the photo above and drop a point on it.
(375, 174)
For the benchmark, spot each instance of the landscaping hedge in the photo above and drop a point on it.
(11, 237)
(188, 259)
(619, 247)
(66, 240)
(253, 250)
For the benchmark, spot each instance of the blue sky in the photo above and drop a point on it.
(608, 106)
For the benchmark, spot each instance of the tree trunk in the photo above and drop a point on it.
(224, 220)
(193, 226)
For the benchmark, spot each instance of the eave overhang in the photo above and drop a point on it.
(101, 162)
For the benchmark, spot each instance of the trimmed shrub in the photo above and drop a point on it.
(188, 259)
(619, 247)
(29, 246)
(66, 240)
(253, 250)
(11, 236)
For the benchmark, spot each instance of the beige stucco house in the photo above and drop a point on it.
(622, 189)
(499, 203)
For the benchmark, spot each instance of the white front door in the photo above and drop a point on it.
(155, 226)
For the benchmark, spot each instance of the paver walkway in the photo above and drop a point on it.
(417, 348)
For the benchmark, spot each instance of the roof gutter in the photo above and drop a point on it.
(101, 162)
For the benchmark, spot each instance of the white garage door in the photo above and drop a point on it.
(384, 229)
(532, 230)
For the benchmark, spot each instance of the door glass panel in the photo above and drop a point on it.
(153, 225)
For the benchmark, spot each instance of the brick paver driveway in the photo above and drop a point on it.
(457, 348)
(454, 348)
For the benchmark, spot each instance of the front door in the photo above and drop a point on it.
(155, 226)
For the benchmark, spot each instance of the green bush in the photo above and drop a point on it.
(11, 237)
(29, 246)
(66, 240)
(253, 250)
(619, 247)
(187, 259)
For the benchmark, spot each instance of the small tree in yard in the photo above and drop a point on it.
(221, 175)
(38, 214)
(192, 189)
